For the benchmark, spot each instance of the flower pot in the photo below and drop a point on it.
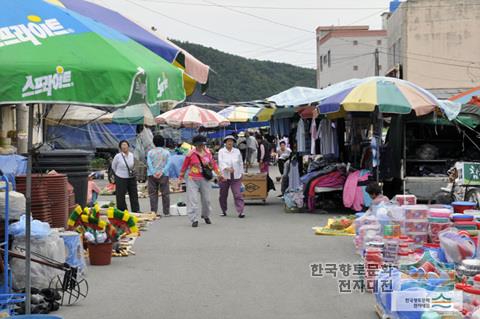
(100, 254)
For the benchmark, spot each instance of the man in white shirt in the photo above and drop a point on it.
(231, 166)
(252, 146)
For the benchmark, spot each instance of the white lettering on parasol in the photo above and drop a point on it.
(32, 32)
(162, 84)
(47, 83)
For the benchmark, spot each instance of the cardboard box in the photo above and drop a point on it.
(255, 186)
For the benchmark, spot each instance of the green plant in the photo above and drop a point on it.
(98, 163)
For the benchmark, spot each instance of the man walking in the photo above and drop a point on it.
(157, 168)
(251, 148)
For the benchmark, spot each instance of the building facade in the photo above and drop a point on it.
(346, 52)
(435, 43)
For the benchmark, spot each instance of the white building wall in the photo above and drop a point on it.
(441, 42)
(348, 60)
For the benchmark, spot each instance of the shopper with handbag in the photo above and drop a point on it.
(201, 165)
(125, 179)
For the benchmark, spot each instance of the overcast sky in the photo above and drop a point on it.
(235, 26)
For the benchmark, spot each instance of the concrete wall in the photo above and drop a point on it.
(395, 27)
(441, 42)
(345, 56)
(8, 122)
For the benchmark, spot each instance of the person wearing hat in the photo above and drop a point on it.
(231, 166)
(92, 190)
(200, 163)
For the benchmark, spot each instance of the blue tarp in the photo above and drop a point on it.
(91, 136)
(13, 165)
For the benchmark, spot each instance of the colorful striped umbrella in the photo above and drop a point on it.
(238, 114)
(192, 116)
(195, 70)
(390, 95)
(49, 54)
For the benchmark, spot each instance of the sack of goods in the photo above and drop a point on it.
(16, 205)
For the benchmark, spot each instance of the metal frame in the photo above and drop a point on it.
(7, 298)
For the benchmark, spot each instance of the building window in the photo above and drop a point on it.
(321, 64)
(324, 59)
(355, 68)
(355, 42)
(329, 60)
(379, 42)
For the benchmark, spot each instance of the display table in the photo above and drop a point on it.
(255, 186)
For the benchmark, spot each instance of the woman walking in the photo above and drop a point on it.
(231, 167)
(200, 164)
(125, 179)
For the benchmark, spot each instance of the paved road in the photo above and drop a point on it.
(257, 267)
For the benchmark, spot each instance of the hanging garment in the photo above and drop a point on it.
(294, 176)
(313, 136)
(301, 148)
(327, 134)
(353, 195)
(375, 155)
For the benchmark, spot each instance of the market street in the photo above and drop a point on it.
(257, 267)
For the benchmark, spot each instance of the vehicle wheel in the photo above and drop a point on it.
(473, 195)
(442, 197)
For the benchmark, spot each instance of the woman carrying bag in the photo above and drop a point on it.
(125, 179)
(201, 165)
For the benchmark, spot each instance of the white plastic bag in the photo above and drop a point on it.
(16, 205)
(38, 229)
(52, 247)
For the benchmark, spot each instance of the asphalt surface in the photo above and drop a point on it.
(257, 267)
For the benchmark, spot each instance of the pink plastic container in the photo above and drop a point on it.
(416, 212)
(416, 226)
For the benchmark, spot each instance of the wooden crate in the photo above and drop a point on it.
(255, 186)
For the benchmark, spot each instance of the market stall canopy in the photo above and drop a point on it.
(49, 54)
(78, 115)
(298, 95)
(390, 95)
(467, 97)
(240, 113)
(192, 116)
(195, 70)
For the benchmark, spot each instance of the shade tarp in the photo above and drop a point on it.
(77, 115)
(90, 136)
(466, 97)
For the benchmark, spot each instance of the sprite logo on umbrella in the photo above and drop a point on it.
(45, 84)
(162, 84)
(33, 31)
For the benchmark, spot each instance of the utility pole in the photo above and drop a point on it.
(379, 121)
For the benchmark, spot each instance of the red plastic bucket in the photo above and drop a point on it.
(100, 254)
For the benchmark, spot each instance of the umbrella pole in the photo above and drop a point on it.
(28, 212)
